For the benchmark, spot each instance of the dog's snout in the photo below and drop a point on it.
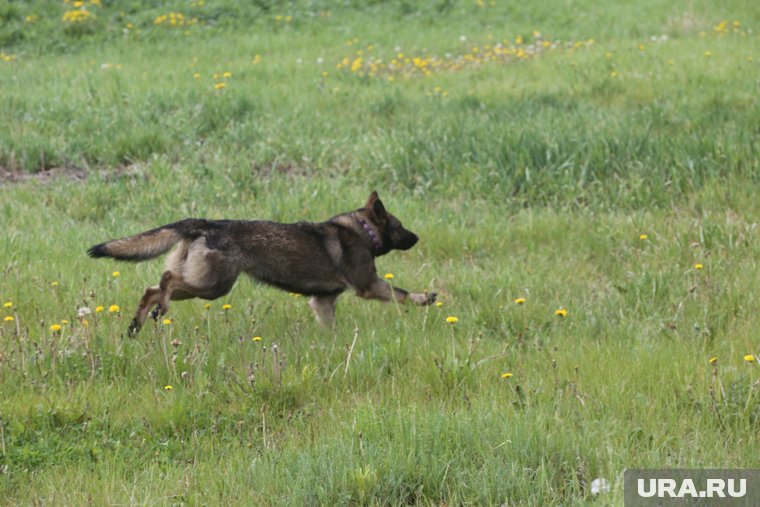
(408, 241)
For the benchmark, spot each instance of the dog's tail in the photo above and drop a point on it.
(149, 244)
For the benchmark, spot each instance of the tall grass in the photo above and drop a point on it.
(624, 120)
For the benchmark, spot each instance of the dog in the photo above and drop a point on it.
(320, 260)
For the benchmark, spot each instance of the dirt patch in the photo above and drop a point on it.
(44, 177)
(9, 177)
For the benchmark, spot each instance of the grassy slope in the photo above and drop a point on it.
(420, 411)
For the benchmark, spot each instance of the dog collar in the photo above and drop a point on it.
(370, 232)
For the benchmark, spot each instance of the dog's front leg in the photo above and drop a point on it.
(323, 308)
(382, 290)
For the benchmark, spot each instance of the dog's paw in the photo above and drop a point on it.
(134, 328)
(423, 298)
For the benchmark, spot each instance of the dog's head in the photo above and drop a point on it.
(392, 235)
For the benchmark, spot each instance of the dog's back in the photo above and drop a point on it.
(303, 257)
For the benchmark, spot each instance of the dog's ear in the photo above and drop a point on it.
(372, 198)
(376, 205)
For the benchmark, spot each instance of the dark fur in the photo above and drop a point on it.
(320, 260)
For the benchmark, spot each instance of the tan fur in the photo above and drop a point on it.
(324, 309)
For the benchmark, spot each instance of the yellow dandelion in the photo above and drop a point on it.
(55, 328)
(708, 54)
(226, 307)
(219, 86)
(256, 339)
(506, 374)
(196, 75)
(207, 306)
(64, 322)
(8, 319)
(99, 308)
(749, 358)
(115, 274)
(54, 284)
(227, 74)
(388, 276)
(439, 304)
(451, 319)
(713, 360)
(168, 388)
(560, 312)
(113, 309)
(167, 322)
(76, 15)
(8, 304)
(643, 237)
(698, 266)
(520, 301)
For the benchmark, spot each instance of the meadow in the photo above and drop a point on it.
(584, 181)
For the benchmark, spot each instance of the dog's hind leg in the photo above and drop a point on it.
(149, 299)
(323, 308)
(172, 288)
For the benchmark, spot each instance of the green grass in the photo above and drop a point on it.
(530, 178)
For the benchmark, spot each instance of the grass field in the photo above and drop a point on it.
(584, 180)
